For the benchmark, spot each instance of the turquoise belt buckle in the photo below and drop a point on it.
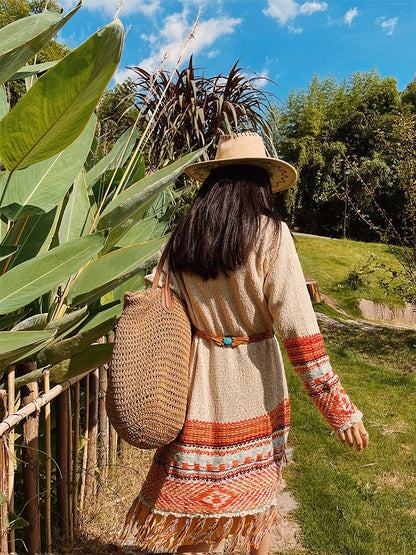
(227, 341)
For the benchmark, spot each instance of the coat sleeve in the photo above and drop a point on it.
(291, 308)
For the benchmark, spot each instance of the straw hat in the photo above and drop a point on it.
(246, 149)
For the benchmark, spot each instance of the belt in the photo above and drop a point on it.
(232, 341)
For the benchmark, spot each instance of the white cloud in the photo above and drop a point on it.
(286, 10)
(350, 15)
(388, 25)
(308, 8)
(295, 30)
(146, 7)
(168, 44)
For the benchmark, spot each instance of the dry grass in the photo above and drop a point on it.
(103, 517)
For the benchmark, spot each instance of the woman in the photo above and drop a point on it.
(234, 264)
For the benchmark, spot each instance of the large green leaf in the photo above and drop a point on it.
(139, 196)
(106, 273)
(6, 252)
(140, 233)
(4, 105)
(10, 319)
(123, 147)
(20, 40)
(14, 344)
(68, 320)
(33, 236)
(93, 357)
(42, 186)
(33, 278)
(70, 347)
(58, 106)
(28, 71)
(36, 322)
(77, 218)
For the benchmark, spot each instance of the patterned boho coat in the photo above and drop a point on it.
(218, 480)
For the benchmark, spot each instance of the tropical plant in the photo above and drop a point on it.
(76, 230)
(190, 110)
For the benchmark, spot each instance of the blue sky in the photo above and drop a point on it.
(286, 40)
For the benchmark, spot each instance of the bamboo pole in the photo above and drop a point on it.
(48, 466)
(113, 440)
(85, 451)
(42, 400)
(69, 468)
(30, 469)
(11, 376)
(62, 425)
(91, 477)
(75, 463)
(102, 425)
(3, 478)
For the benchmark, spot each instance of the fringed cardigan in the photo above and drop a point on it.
(218, 480)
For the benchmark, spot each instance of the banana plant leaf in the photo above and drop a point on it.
(20, 40)
(93, 357)
(28, 71)
(59, 105)
(123, 147)
(77, 217)
(106, 273)
(24, 283)
(14, 344)
(36, 322)
(61, 350)
(134, 201)
(34, 236)
(4, 105)
(40, 187)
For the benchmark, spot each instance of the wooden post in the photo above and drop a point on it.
(313, 289)
(48, 466)
(91, 478)
(62, 429)
(30, 469)
(102, 425)
(75, 463)
(11, 376)
(3, 478)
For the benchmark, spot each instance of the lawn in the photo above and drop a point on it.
(359, 503)
(330, 262)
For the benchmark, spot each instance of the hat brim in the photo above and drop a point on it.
(282, 175)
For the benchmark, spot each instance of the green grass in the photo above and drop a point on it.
(329, 261)
(360, 503)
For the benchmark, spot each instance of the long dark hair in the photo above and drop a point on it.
(220, 228)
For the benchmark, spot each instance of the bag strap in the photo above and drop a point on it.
(166, 294)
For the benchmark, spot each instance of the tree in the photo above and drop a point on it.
(320, 125)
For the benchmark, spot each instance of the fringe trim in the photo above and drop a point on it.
(160, 533)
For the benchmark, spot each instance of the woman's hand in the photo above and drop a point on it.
(357, 435)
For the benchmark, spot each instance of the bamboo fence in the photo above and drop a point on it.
(56, 445)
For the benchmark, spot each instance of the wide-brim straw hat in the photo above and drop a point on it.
(246, 149)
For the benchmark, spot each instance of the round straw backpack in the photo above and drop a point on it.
(149, 370)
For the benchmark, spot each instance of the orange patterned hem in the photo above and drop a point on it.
(157, 533)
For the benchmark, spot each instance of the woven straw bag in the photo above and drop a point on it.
(149, 370)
